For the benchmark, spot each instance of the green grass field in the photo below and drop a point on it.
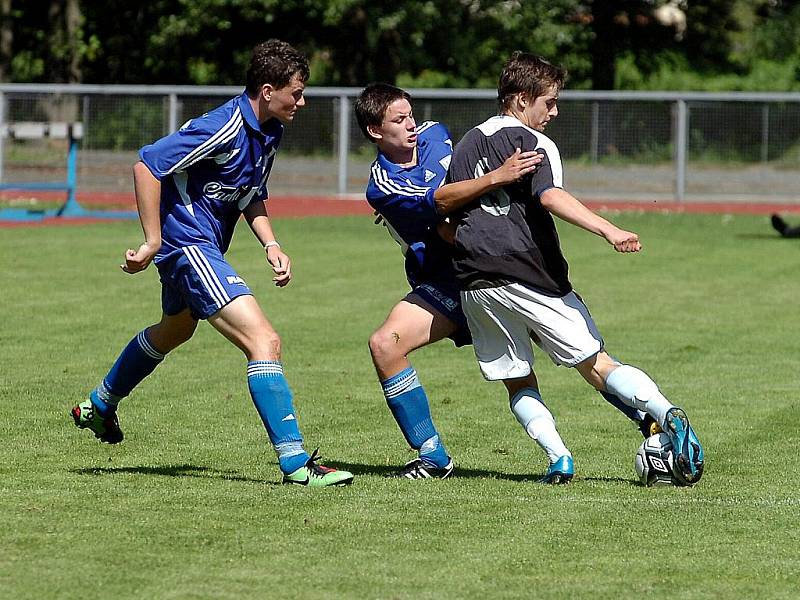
(190, 506)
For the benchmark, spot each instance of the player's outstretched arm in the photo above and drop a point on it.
(453, 196)
(258, 220)
(565, 206)
(148, 202)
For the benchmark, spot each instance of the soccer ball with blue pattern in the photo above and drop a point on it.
(655, 462)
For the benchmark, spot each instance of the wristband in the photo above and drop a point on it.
(269, 245)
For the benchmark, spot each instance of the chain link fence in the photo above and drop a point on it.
(733, 147)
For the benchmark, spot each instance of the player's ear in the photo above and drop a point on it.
(266, 91)
(374, 132)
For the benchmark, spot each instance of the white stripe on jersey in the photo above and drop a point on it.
(384, 177)
(388, 186)
(181, 180)
(207, 275)
(495, 124)
(425, 125)
(396, 237)
(225, 134)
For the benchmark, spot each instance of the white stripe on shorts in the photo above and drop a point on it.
(207, 275)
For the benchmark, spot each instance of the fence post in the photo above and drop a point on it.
(765, 133)
(2, 135)
(173, 113)
(344, 142)
(681, 127)
(595, 135)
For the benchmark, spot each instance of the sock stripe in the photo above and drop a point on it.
(264, 368)
(147, 348)
(401, 383)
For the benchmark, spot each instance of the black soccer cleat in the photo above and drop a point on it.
(418, 469)
(778, 224)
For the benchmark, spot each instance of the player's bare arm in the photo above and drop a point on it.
(453, 196)
(258, 220)
(148, 200)
(565, 206)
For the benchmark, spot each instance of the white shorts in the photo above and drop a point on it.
(502, 320)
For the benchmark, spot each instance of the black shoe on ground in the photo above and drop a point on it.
(779, 224)
(417, 469)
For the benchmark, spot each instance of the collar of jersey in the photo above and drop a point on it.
(267, 128)
(393, 166)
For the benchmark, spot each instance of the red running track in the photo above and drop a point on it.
(304, 206)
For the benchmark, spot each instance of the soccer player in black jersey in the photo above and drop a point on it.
(514, 277)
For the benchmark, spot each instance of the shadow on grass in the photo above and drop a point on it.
(171, 471)
(630, 482)
(355, 468)
(459, 472)
(763, 236)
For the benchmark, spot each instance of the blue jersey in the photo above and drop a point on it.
(404, 197)
(210, 171)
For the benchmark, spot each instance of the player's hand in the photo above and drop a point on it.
(139, 260)
(281, 265)
(517, 166)
(379, 220)
(624, 241)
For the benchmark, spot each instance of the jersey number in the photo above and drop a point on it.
(496, 203)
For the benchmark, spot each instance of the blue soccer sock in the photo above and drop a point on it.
(273, 400)
(136, 362)
(409, 405)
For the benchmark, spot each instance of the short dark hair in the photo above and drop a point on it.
(275, 62)
(525, 72)
(372, 103)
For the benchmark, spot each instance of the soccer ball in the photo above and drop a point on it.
(654, 462)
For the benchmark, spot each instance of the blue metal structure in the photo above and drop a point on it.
(71, 207)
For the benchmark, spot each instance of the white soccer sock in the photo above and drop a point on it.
(538, 422)
(635, 388)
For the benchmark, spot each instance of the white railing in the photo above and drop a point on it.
(652, 142)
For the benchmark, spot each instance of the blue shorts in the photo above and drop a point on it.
(446, 299)
(198, 278)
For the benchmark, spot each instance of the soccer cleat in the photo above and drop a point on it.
(419, 469)
(559, 472)
(688, 453)
(106, 429)
(779, 224)
(649, 427)
(313, 475)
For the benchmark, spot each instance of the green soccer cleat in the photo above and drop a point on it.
(313, 475)
(106, 429)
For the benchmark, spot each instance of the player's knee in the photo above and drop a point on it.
(183, 336)
(268, 346)
(383, 344)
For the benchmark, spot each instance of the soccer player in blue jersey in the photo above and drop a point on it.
(191, 188)
(405, 188)
(514, 277)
